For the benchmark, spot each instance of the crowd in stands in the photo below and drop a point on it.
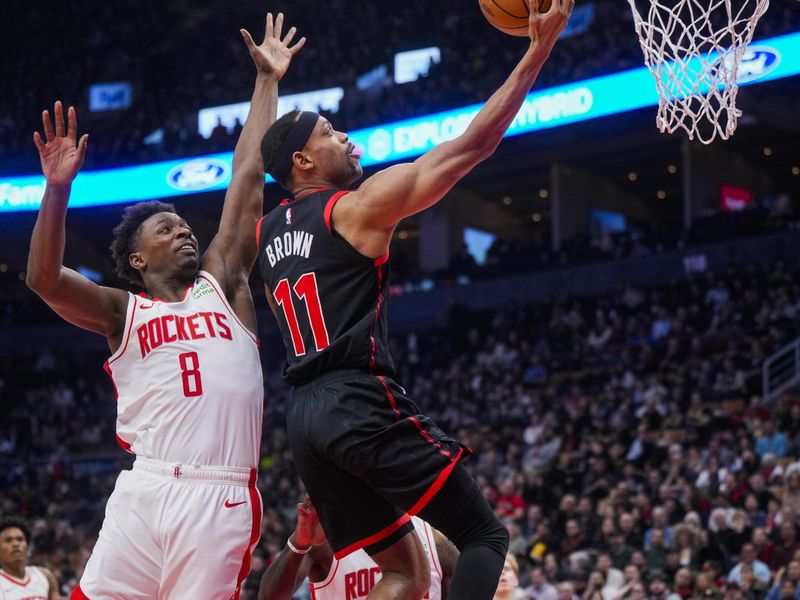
(509, 255)
(183, 56)
(622, 439)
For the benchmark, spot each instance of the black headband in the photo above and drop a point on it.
(294, 142)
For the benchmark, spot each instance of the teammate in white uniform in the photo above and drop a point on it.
(183, 523)
(18, 581)
(308, 555)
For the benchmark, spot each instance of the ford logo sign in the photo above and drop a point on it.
(198, 174)
(757, 62)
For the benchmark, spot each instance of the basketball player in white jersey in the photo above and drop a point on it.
(18, 581)
(185, 366)
(308, 555)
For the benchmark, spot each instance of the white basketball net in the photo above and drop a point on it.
(693, 49)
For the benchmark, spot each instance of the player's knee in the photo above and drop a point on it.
(490, 533)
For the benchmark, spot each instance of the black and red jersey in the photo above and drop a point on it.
(329, 299)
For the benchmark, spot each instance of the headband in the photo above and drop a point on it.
(296, 140)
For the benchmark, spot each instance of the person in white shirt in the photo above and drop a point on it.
(18, 580)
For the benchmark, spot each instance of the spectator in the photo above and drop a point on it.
(508, 586)
(790, 575)
(572, 540)
(786, 547)
(656, 554)
(682, 585)
(771, 441)
(748, 560)
(660, 521)
(540, 588)
(685, 544)
(791, 498)
(509, 503)
(614, 578)
(566, 591)
(657, 586)
(764, 547)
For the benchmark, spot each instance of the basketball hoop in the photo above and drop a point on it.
(693, 49)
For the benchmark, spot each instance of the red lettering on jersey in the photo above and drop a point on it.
(159, 331)
(224, 330)
(359, 584)
(180, 325)
(168, 337)
(207, 317)
(374, 572)
(194, 326)
(143, 345)
(350, 586)
(154, 329)
(363, 582)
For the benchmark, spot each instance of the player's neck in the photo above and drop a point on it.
(309, 187)
(16, 570)
(168, 289)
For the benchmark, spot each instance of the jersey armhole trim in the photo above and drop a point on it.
(432, 545)
(329, 208)
(258, 231)
(126, 332)
(329, 579)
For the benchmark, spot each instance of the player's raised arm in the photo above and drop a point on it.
(70, 294)
(232, 252)
(400, 191)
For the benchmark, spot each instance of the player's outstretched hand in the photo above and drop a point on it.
(545, 27)
(273, 55)
(61, 155)
(309, 530)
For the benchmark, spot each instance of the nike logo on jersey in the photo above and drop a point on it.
(229, 505)
(145, 306)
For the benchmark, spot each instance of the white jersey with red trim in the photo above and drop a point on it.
(33, 587)
(352, 577)
(188, 380)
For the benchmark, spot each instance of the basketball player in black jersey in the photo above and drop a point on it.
(367, 456)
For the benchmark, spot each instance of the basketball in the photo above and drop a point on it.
(510, 16)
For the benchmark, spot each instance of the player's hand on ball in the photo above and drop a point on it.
(60, 153)
(547, 20)
(273, 55)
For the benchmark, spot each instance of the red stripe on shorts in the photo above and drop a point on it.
(77, 594)
(436, 485)
(255, 532)
(373, 539)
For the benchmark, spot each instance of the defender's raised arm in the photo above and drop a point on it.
(232, 252)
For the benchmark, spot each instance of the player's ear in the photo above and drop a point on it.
(137, 260)
(303, 161)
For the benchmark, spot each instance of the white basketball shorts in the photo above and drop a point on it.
(175, 531)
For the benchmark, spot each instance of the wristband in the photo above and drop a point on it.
(295, 549)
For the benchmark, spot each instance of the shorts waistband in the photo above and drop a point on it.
(334, 377)
(195, 473)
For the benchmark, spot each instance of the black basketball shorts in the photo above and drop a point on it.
(367, 456)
